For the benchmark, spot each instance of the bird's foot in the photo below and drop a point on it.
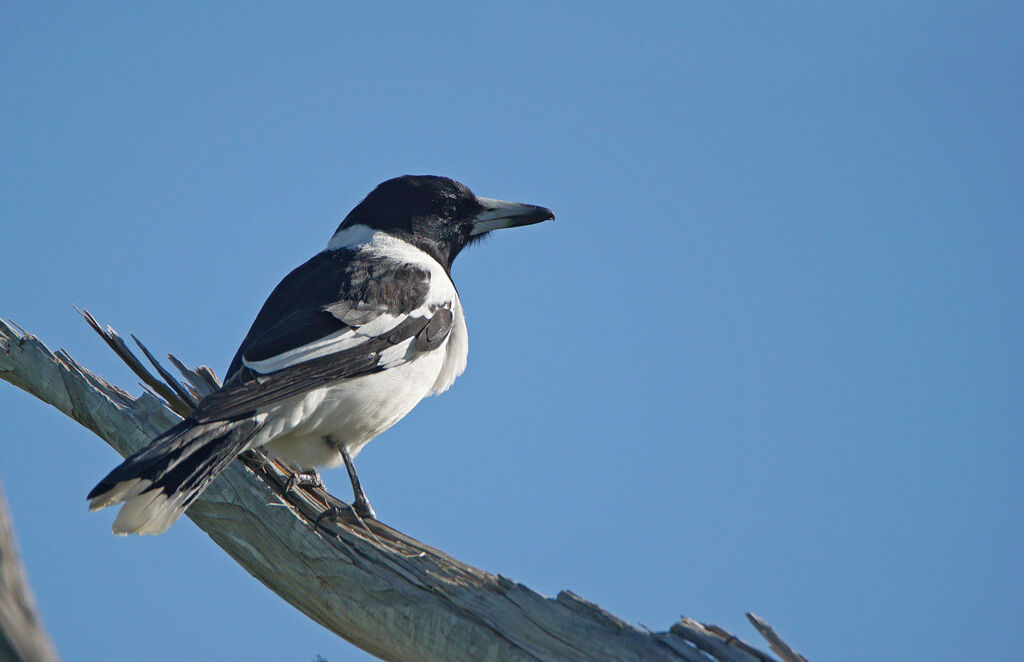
(360, 504)
(332, 514)
(304, 479)
(257, 455)
(363, 508)
(336, 513)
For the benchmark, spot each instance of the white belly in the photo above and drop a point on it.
(307, 430)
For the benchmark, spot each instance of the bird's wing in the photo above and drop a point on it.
(341, 314)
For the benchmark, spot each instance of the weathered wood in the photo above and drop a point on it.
(22, 637)
(780, 647)
(381, 590)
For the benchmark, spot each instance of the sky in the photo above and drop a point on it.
(768, 358)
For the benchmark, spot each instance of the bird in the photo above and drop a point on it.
(343, 348)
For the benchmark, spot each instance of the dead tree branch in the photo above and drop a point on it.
(383, 591)
(22, 637)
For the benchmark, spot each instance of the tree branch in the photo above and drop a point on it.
(381, 590)
(22, 637)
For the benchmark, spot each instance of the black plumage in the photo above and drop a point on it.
(302, 383)
(330, 292)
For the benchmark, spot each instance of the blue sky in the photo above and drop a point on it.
(768, 358)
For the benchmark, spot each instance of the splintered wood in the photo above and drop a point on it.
(385, 592)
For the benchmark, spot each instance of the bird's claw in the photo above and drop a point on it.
(333, 513)
(304, 479)
(363, 508)
(257, 455)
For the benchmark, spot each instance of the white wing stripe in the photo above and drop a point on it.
(334, 342)
(442, 293)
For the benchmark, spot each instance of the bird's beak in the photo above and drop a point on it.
(499, 214)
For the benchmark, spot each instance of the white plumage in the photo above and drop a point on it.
(357, 409)
(345, 346)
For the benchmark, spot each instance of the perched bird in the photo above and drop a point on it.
(343, 348)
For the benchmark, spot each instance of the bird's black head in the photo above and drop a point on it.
(438, 215)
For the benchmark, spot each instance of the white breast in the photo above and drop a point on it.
(353, 411)
(307, 429)
(456, 351)
(442, 292)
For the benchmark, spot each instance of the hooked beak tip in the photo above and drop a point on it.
(498, 214)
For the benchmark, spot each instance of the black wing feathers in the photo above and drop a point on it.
(435, 331)
(333, 290)
(179, 458)
(300, 328)
(248, 390)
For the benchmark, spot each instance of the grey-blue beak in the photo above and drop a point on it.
(498, 214)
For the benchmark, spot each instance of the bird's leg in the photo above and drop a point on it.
(258, 455)
(304, 479)
(361, 504)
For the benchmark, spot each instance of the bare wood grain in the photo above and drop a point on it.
(780, 647)
(22, 636)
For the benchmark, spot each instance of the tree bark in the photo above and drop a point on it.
(22, 637)
(381, 590)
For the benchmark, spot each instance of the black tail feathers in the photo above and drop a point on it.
(159, 482)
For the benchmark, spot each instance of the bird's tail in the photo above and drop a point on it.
(159, 482)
